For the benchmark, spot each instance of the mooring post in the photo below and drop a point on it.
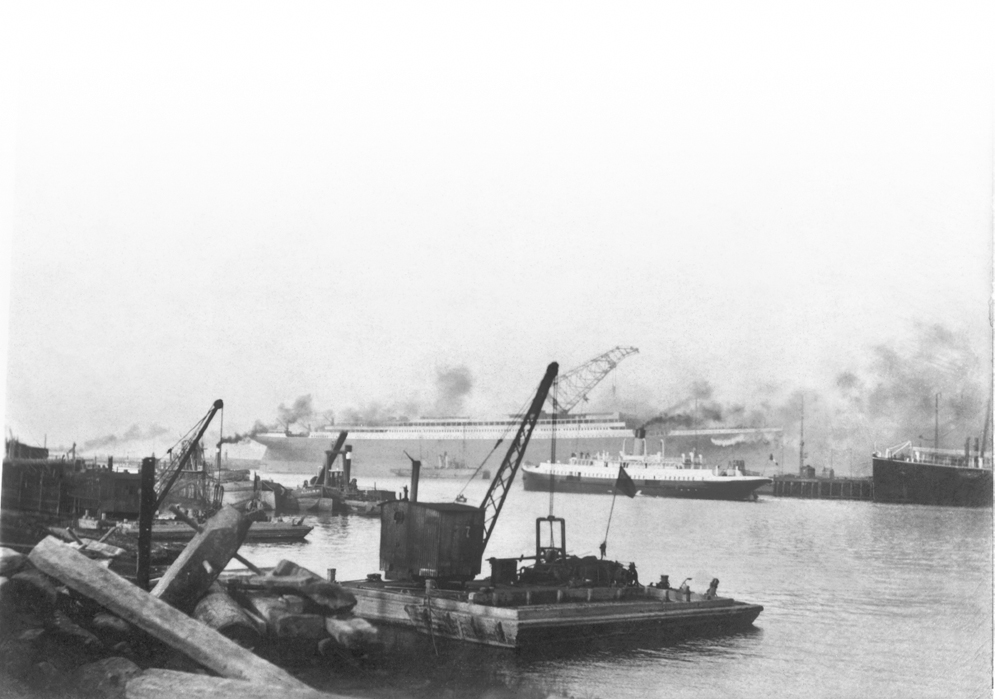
(146, 512)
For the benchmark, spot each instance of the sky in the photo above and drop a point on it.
(354, 201)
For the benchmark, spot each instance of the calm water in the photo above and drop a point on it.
(859, 599)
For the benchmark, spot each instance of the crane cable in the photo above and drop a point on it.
(553, 442)
(517, 419)
(604, 543)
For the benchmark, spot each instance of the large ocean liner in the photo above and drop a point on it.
(454, 446)
(380, 448)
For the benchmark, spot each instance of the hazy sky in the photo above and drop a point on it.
(257, 201)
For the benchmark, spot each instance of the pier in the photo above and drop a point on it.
(824, 488)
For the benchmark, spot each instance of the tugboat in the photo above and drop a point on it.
(334, 490)
(431, 553)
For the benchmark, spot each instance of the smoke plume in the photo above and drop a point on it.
(133, 433)
(300, 413)
(452, 385)
(887, 396)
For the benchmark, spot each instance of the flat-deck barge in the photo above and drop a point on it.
(520, 616)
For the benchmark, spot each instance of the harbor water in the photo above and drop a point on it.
(860, 599)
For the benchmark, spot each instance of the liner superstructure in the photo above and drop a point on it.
(459, 439)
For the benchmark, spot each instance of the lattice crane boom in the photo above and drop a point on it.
(498, 489)
(164, 479)
(573, 386)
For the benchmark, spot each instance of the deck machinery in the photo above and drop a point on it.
(446, 541)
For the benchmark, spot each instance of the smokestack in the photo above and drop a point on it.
(329, 458)
(639, 445)
(347, 464)
(415, 471)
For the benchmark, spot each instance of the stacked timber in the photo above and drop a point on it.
(69, 625)
(299, 607)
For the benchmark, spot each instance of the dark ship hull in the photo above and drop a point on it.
(923, 483)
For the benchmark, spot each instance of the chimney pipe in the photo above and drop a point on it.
(415, 471)
(347, 465)
(329, 457)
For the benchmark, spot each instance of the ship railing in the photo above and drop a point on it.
(897, 450)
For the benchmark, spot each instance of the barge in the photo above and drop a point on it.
(431, 553)
(559, 599)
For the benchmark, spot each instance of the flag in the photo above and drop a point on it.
(624, 484)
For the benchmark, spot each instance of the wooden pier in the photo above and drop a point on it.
(824, 488)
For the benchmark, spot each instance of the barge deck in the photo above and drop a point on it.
(522, 615)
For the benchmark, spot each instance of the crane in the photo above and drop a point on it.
(573, 386)
(498, 489)
(165, 478)
(446, 541)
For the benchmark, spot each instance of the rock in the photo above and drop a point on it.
(30, 590)
(31, 635)
(112, 629)
(18, 657)
(11, 561)
(70, 631)
(354, 633)
(48, 676)
(105, 679)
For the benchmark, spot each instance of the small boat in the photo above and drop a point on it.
(333, 489)
(172, 530)
(447, 467)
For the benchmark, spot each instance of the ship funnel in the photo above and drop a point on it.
(346, 465)
(415, 472)
(639, 444)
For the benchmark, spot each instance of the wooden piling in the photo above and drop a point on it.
(824, 489)
(146, 513)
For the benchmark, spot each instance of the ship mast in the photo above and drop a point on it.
(801, 442)
(936, 426)
(984, 434)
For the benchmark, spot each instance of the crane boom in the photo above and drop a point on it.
(498, 489)
(573, 386)
(165, 479)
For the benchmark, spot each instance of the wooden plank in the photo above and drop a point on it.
(287, 620)
(192, 573)
(219, 611)
(201, 643)
(155, 684)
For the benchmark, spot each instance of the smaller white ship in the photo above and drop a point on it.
(651, 474)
